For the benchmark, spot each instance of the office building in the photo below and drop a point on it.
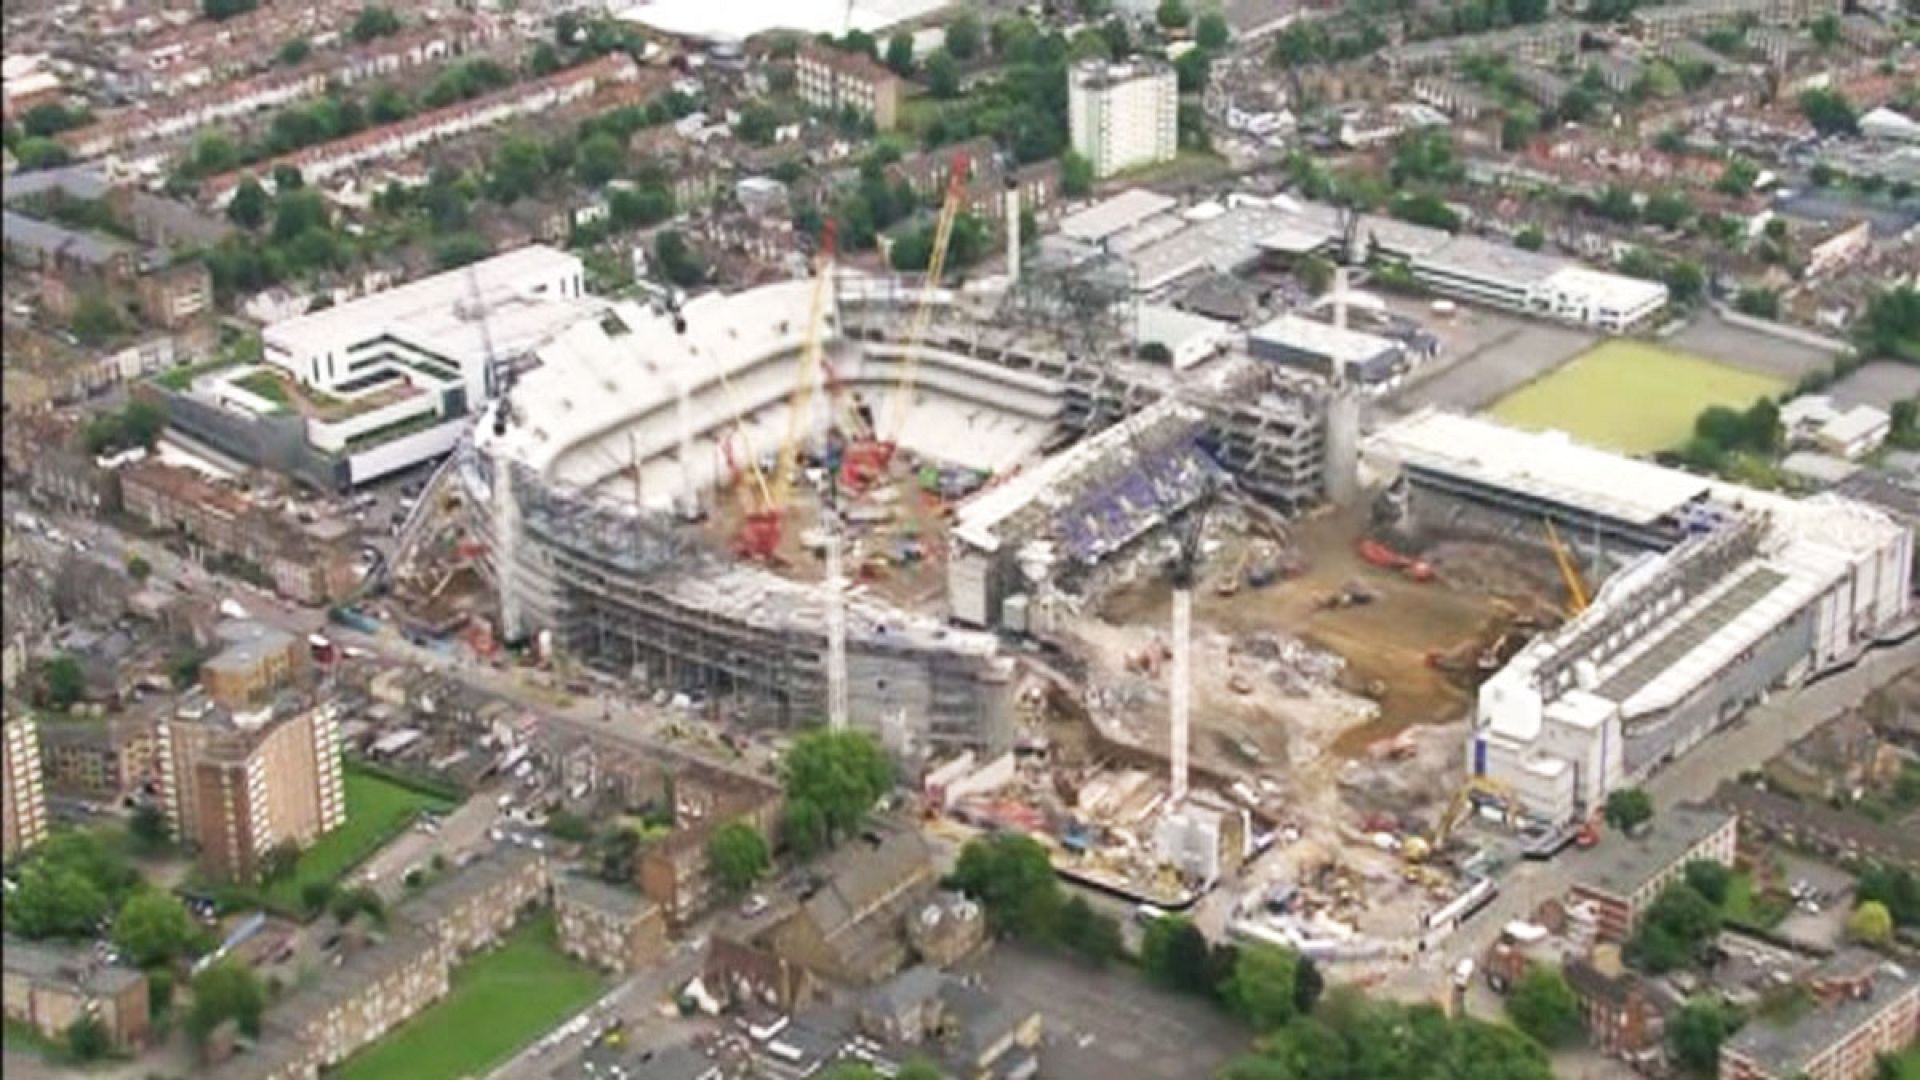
(235, 785)
(836, 79)
(1633, 870)
(1123, 116)
(23, 796)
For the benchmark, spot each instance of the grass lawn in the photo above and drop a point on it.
(1631, 396)
(1906, 1064)
(500, 1001)
(266, 384)
(1741, 905)
(377, 810)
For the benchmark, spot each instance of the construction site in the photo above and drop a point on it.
(1166, 621)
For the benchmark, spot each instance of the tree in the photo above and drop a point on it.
(1668, 209)
(1076, 175)
(1518, 128)
(1829, 112)
(1694, 1035)
(315, 896)
(1191, 69)
(1316, 273)
(738, 854)
(1308, 985)
(900, 54)
(600, 158)
(65, 683)
(1092, 936)
(1825, 30)
(803, 827)
(1676, 925)
(225, 991)
(1010, 874)
(1530, 238)
(55, 901)
(545, 60)
(345, 904)
(87, 1039)
(1628, 808)
(1172, 15)
(39, 153)
(1211, 32)
(221, 10)
(519, 169)
(1871, 923)
(279, 861)
(1262, 988)
(1175, 955)
(297, 212)
(963, 37)
(1710, 879)
(1760, 303)
(95, 319)
(149, 829)
(841, 773)
(153, 928)
(248, 208)
(374, 22)
(677, 262)
(295, 52)
(943, 74)
(1544, 1006)
(52, 118)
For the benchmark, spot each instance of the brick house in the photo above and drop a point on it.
(609, 927)
(673, 873)
(1631, 871)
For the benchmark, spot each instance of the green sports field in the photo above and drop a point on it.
(501, 1000)
(1631, 396)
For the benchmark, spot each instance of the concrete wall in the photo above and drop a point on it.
(1782, 657)
(277, 442)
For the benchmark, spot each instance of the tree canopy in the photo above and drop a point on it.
(1350, 1037)
(838, 775)
(1263, 986)
(1010, 874)
(225, 991)
(1675, 926)
(153, 927)
(738, 854)
(1544, 1006)
(1628, 808)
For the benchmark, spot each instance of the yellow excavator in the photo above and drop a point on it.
(1419, 849)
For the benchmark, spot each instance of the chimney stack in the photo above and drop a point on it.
(1013, 231)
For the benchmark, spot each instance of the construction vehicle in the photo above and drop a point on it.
(1351, 596)
(868, 454)
(1476, 787)
(1379, 554)
(1577, 595)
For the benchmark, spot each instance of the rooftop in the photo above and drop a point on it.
(1547, 465)
(600, 896)
(1625, 863)
(1787, 1050)
(1345, 346)
(73, 968)
(247, 642)
(1483, 258)
(1112, 215)
(520, 306)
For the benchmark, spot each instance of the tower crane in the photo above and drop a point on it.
(1577, 595)
(868, 456)
(759, 536)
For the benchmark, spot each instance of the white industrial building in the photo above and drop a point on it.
(1723, 593)
(451, 323)
(1323, 348)
(1123, 116)
(1507, 277)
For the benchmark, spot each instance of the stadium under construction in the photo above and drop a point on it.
(587, 478)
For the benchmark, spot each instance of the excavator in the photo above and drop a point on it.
(1419, 849)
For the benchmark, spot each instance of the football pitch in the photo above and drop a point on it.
(1631, 396)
